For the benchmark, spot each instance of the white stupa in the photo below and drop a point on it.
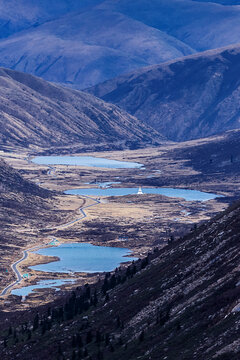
(140, 191)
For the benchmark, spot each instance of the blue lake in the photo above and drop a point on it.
(42, 284)
(188, 195)
(90, 161)
(83, 257)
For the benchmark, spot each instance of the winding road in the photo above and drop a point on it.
(16, 271)
(25, 252)
(84, 215)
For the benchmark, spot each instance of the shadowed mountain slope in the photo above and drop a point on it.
(192, 97)
(34, 113)
(214, 155)
(21, 202)
(12, 182)
(180, 301)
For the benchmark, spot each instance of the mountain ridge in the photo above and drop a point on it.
(191, 97)
(35, 113)
(78, 51)
(80, 44)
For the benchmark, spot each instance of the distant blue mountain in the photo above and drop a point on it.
(82, 43)
(202, 24)
(16, 15)
(221, 2)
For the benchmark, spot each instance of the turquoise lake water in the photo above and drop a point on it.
(43, 284)
(188, 195)
(83, 257)
(90, 161)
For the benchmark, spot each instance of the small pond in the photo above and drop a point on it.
(83, 257)
(188, 195)
(90, 161)
(42, 284)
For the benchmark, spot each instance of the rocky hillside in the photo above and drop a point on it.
(82, 43)
(210, 156)
(12, 182)
(190, 98)
(180, 302)
(37, 114)
(21, 200)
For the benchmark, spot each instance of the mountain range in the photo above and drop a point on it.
(80, 44)
(37, 114)
(189, 98)
(153, 72)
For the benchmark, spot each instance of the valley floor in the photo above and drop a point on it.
(146, 221)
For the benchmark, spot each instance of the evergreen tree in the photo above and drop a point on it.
(134, 269)
(44, 327)
(105, 286)
(120, 341)
(29, 334)
(111, 348)
(89, 337)
(85, 352)
(74, 341)
(107, 339)
(95, 298)
(100, 355)
(112, 282)
(79, 341)
(59, 349)
(35, 322)
(178, 326)
(118, 321)
(98, 337)
(10, 331)
(88, 291)
(141, 337)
